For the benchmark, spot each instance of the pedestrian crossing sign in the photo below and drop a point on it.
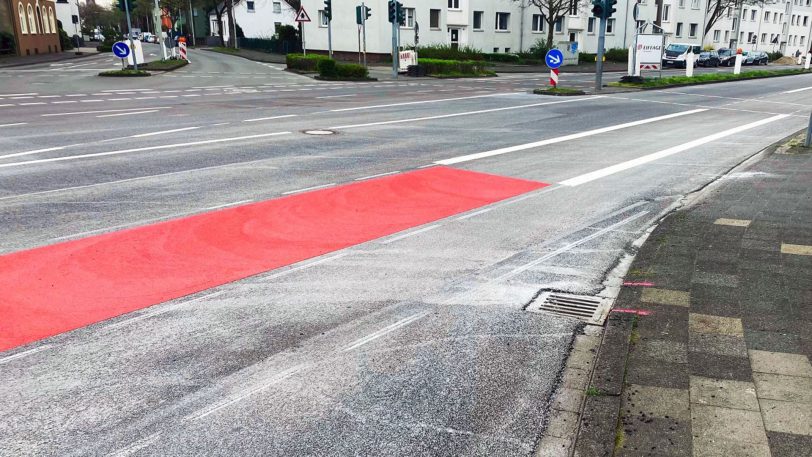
(302, 16)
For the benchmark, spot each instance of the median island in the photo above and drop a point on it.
(706, 78)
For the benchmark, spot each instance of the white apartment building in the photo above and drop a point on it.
(515, 25)
(257, 18)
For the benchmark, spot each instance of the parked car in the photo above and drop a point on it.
(727, 57)
(748, 57)
(708, 59)
(675, 53)
(96, 36)
(760, 58)
(147, 37)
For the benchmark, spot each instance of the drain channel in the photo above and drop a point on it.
(592, 310)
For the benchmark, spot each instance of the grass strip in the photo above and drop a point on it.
(672, 81)
(125, 73)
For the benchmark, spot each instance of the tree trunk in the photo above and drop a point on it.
(550, 26)
(219, 15)
(232, 36)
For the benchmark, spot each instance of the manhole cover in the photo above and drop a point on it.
(319, 132)
(592, 310)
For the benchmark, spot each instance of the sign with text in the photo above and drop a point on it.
(649, 49)
(405, 59)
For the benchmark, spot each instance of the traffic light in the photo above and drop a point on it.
(401, 14)
(597, 8)
(610, 8)
(368, 12)
(122, 7)
(393, 11)
(328, 9)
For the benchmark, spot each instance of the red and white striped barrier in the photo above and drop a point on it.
(554, 77)
(182, 47)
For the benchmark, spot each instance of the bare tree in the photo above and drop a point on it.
(553, 10)
(717, 9)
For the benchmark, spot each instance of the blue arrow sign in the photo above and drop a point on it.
(121, 50)
(554, 58)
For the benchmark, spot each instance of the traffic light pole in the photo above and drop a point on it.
(330, 37)
(599, 56)
(395, 49)
(130, 34)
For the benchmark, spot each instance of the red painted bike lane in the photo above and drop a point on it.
(61, 287)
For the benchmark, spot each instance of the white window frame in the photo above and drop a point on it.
(23, 19)
(537, 23)
(409, 15)
(717, 35)
(251, 6)
(481, 15)
(496, 26)
(454, 4)
(32, 21)
(666, 13)
(277, 7)
(322, 19)
(678, 29)
(610, 26)
(439, 19)
(559, 25)
(693, 29)
(681, 3)
(590, 25)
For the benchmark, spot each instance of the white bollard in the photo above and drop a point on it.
(806, 64)
(689, 64)
(630, 60)
(737, 68)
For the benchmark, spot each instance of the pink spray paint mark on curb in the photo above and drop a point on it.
(639, 312)
(638, 284)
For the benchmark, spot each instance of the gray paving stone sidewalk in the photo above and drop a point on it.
(719, 357)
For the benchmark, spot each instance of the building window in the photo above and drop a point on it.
(250, 6)
(478, 19)
(32, 21)
(802, 40)
(678, 32)
(666, 12)
(276, 27)
(453, 4)
(610, 26)
(751, 37)
(733, 27)
(43, 26)
(681, 3)
(559, 25)
(51, 19)
(322, 19)
(409, 16)
(717, 34)
(507, 50)
(806, 20)
(590, 25)
(695, 4)
(277, 7)
(502, 21)
(766, 16)
(23, 25)
(727, 36)
(692, 30)
(763, 37)
(434, 19)
(573, 7)
(495, 50)
(538, 23)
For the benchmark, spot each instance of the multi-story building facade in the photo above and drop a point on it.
(32, 24)
(516, 25)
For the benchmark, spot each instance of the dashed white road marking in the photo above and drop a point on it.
(410, 234)
(378, 175)
(305, 266)
(129, 114)
(104, 111)
(272, 117)
(388, 329)
(22, 354)
(308, 189)
(142, 135)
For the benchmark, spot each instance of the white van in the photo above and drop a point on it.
(675, 53)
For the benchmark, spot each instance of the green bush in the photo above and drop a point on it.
(446, 52)
(509, 58)
(617, 55)
(453, 67)
(65, 40)
(775, 55)
(586, 57)
(304, 63)
(328, 68)
(7, 44)
(537, 51)
(352, 70)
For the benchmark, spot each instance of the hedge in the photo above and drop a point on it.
(305, 63)
(446, 52)
(330, 69)
(452, 67)
(775, 55)
(498, 57)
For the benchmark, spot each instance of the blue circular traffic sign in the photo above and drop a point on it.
(121, 50)
(554, 58)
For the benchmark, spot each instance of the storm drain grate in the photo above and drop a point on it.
(592, 310)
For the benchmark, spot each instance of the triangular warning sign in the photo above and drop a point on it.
(302, 16)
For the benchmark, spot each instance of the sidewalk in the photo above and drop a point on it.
(18, 61)
(713, 327)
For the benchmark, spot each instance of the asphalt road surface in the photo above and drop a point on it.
(187, 271)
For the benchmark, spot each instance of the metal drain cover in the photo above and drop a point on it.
(592, 310)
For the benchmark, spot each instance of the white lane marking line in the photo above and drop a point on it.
(247, 393)
(148, 148)
(91, 101)
(305, 266)
(475, 213)
(388, 329)
(142, 135)
(335, 96)
(64, 101)
(139, 178)
(128, 114)
(225, 205)
(211, 87)
(12, 125)
(569, 246)
(23, 97)
(410, 234)
(419, 102)
(378, 175)
(308, 188)
(7, 104)
(269, 118)
(466, 113)
(118, 99)
(560, 139)
(136, 446)
(160, 311)
(32, 103)
(22, 354)
(796, 90)
(26, 153)
(603, 172)
(18, 95)
(104, 111)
